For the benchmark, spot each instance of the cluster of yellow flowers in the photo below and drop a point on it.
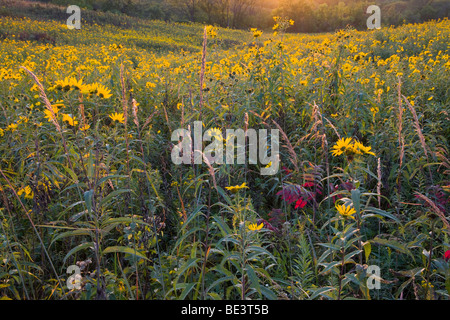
(89, 89)
(350, 146)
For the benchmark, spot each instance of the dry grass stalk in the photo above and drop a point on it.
(379, 181)
(417, 126)
(401, 141)
(149, 119)
(210, 169)
(124, 95)
(44, 98)
(288, 145)
(435, 209)
(134, 110)
(334, 128)
(202, 71)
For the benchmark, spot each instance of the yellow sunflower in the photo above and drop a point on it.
(117, 117)
(346, 211)
(234, 189)
(341, 146)
(359, 148)
(255, 227)
(70, 121)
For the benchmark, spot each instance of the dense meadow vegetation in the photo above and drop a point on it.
(86, 176)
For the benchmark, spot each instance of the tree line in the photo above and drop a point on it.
(309, 15)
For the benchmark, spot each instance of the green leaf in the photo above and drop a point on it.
(222, 226)
(329, 266)
(126, 250)
(269, 294)
(331, 246)
(224, 195)
(77, 232)
(191, 263)
(221, 280)
(392, 244)
(88, 200)
(356, 198)
(321, 292)
(187, 234)
(253, 279)
(367, 250)
(351, 254)
(110, 196)
(186, 290)
(100, 181)
(78, 248)
(381, 213)
(197, 212)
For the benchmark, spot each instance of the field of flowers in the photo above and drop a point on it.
(358, 209)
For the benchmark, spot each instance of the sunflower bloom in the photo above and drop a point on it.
(255, 227)
(234, 189)
(12, 127)
(359, 148)
(341, 146)
(103, 92)
(117, 117)
(85, 127)
(256, 33)
(346, 211)
(70, 121)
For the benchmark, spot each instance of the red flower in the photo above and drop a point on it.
(286, 170)
(447, 255)
(300, 203)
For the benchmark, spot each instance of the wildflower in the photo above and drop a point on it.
(256, 33)
(359, 148)
(103, 92)
(48, 113)
(85, 127)
(211, 32)
(214, 132)
(63, 84)
(374, 111)
(300, 203)
(27, 191)
(117, 117)
(346, 211)
(255, 227)
(346, 145)
(234, 189)
(76, 84)
(447, 255)
(341, 146)
(150, 85)
(98, 89)
(70, 121)
(12, 127)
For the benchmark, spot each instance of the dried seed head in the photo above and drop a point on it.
(135, 110)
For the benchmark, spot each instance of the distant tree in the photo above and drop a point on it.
(240, 9)
(189, 8)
